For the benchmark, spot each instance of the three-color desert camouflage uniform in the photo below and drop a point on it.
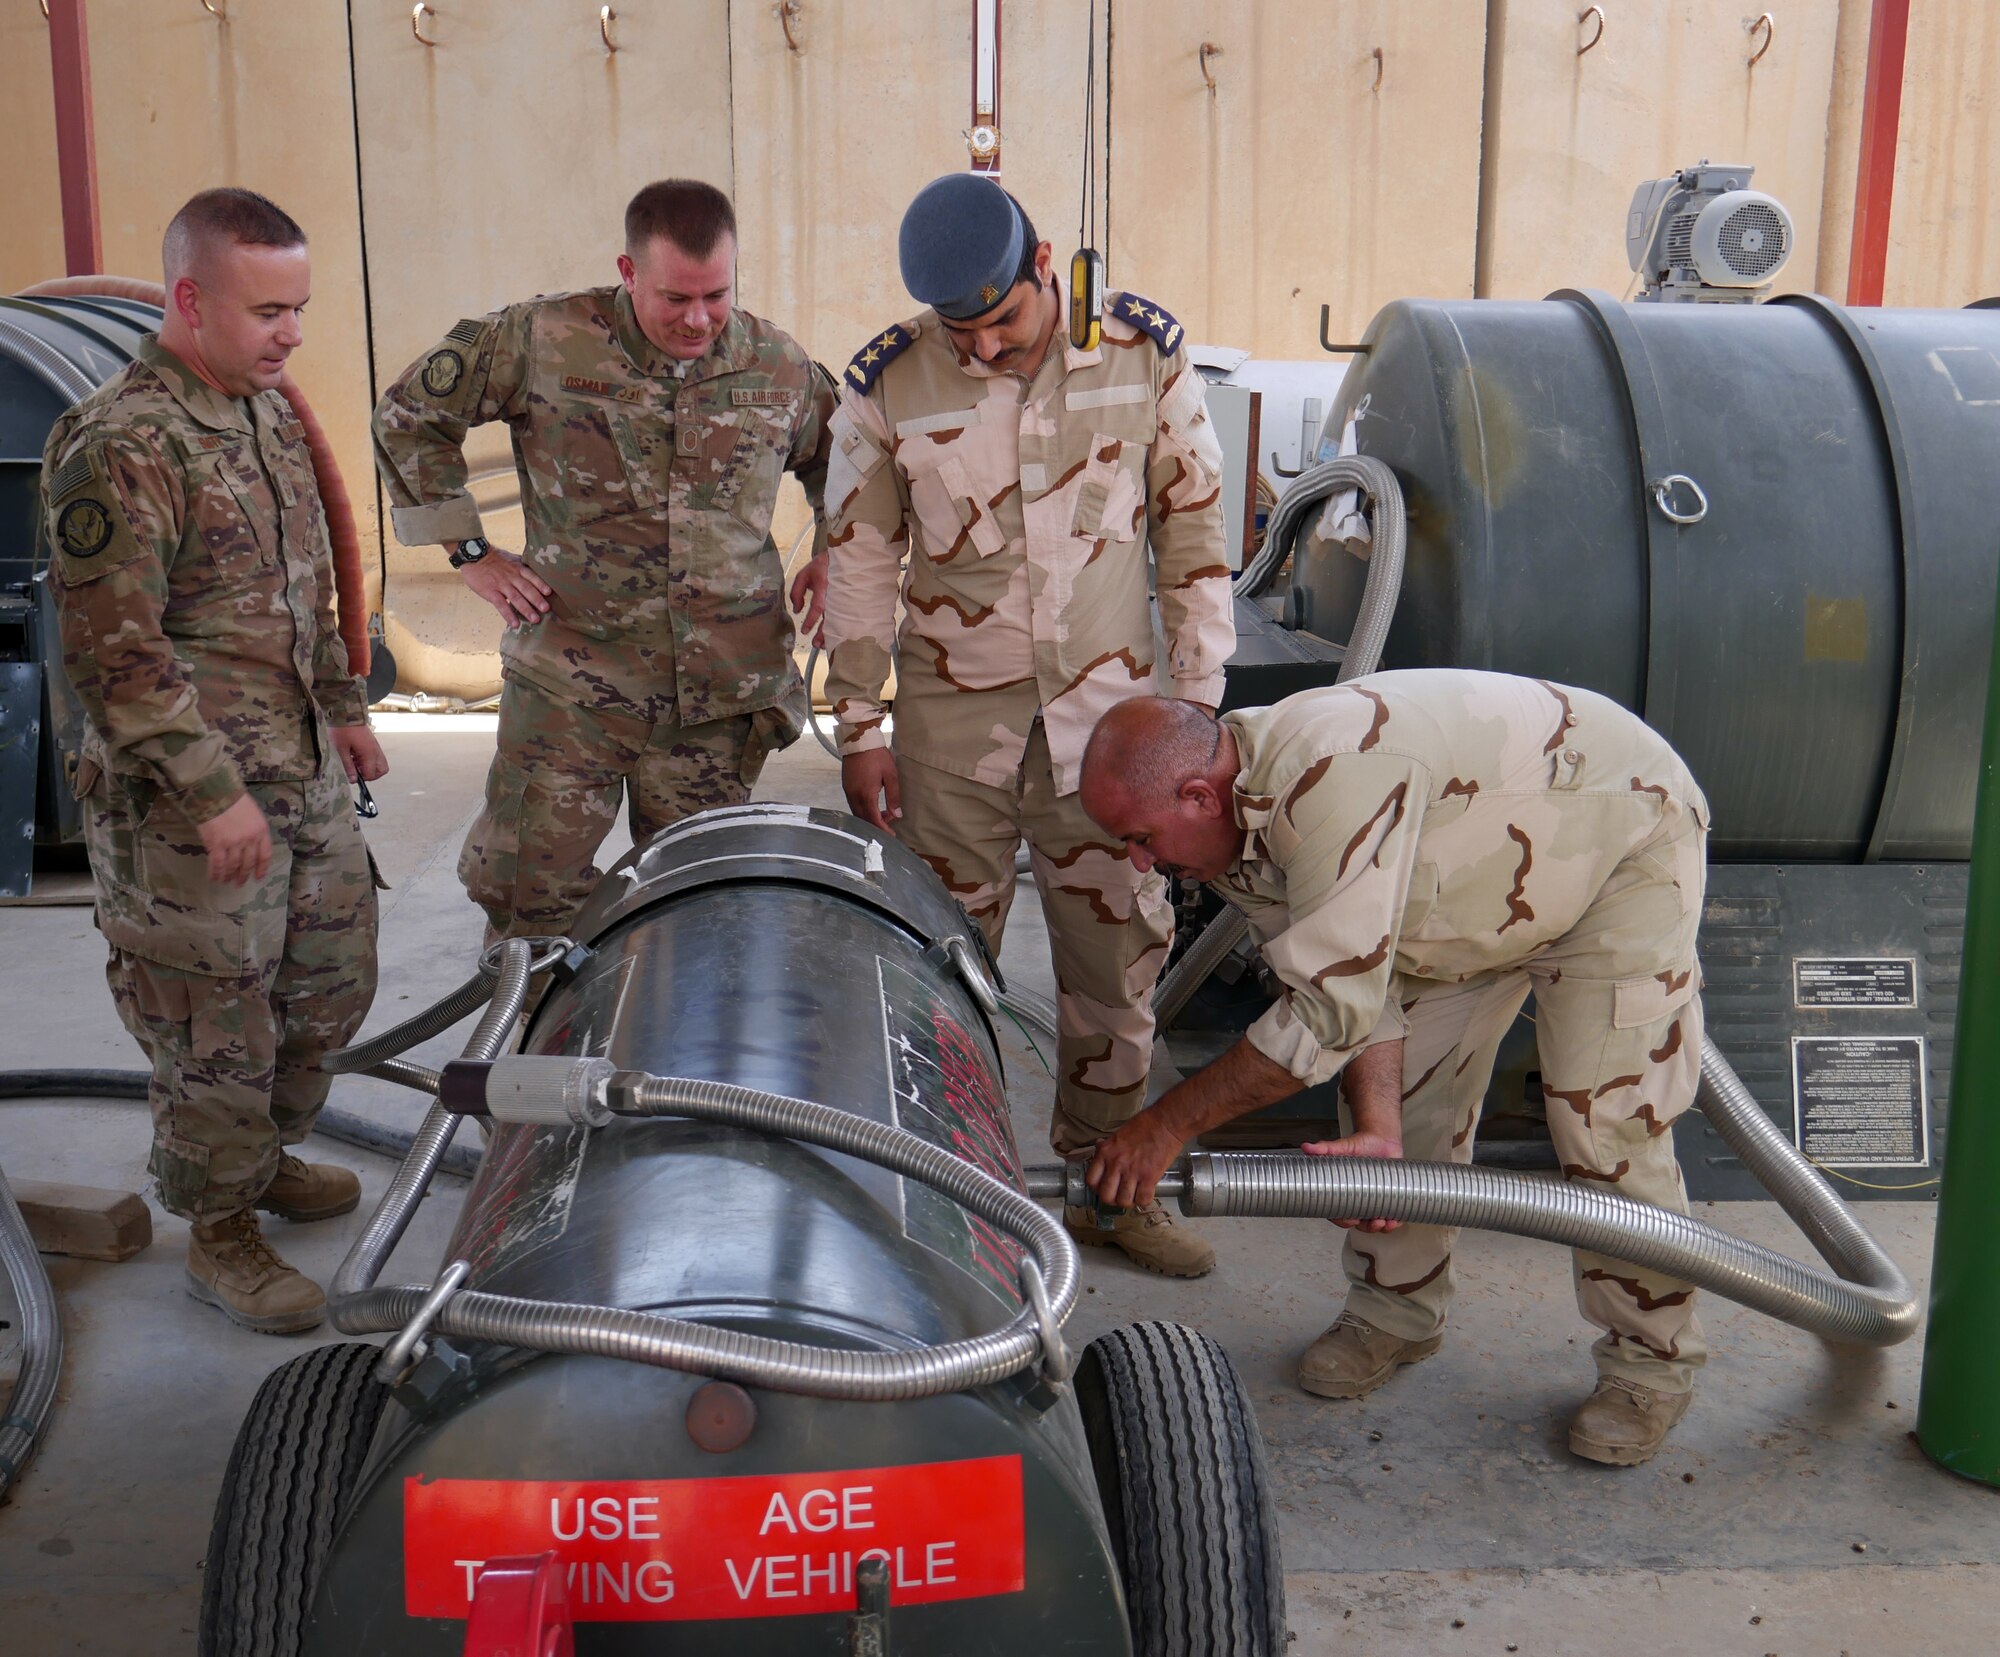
(194, 582)
(1423, 848)
(1023, 510)
(664, 666)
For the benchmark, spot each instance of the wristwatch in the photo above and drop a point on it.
(470, 551)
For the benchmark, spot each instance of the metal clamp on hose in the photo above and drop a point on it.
(547, 952)
(409, 1346)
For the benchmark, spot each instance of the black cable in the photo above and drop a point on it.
(342, 1125)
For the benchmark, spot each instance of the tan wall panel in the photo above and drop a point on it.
(1944, 237)
(185, 102)
(495, 166)
(1843, 148)
(1298, 182)
(30, 193)
(1570, 137)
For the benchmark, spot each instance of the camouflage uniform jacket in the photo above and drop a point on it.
(1434, 825)
(648, 493)
(194, 582)
(1025, 508)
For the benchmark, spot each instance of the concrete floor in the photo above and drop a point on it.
(1791, 1513)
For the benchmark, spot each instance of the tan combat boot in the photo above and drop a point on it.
(1354, 1357)
(1622, 1423)
(230, 1266)
(309, 1190)
(1148, 1238)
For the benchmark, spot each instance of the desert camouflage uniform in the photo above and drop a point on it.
(1423, 849)
(664, 666)
(194, 582)
(1025, 510)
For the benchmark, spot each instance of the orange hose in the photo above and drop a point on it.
(349, 589)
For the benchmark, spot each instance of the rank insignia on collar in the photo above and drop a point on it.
(876, 355)
(1143, 314)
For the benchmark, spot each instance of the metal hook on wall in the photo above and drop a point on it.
(605, 18)
(788, 10)
(45, 10)
(1325, 344)
(1208, 50)
(1376, 84)
(1584, 17)
(214, 10)
(417, 23)
(1770, 27)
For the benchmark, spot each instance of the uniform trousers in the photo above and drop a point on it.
(1109, 925)
(1619, 1027)
(234, 992)
(553, 790)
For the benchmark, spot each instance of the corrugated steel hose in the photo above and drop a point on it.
(1869, 1301)
(34, 1393)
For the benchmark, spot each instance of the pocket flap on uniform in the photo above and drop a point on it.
(1107, 396)
(1637, 1002)
(1421, 898)
(194, 940)
(87, 773)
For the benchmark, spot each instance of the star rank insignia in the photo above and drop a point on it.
(876, 355)
(1143, 314)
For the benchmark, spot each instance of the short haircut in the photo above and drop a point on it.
(240, 217)
(1150, 747)
(692, 215)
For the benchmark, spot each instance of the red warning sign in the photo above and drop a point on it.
(681, 1550)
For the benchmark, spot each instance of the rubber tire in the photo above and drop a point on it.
(298, 1454)
(1180, 1465)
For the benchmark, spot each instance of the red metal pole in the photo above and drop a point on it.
(76, 142)
(1875, 179)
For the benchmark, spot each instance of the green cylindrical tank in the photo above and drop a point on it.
(1770, 529)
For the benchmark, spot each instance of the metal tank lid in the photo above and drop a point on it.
(797, 844)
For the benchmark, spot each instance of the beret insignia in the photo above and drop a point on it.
(1145, 315)
(84, 528)
(876, 355)
(441, 372)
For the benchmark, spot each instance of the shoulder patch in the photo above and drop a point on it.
(876, 355)
(1144, 314)
(466, 332)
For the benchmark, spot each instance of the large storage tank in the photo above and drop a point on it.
(1772, 530)
(53, 351)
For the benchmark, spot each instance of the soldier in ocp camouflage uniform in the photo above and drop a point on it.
(1024, 480)
(648, 648)
(1415, 852)
(194, 583)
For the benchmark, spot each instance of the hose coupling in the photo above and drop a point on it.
(551, 1091)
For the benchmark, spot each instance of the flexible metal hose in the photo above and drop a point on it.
(468, 998)
(1871, 1300)
(781, 1365)
(34, 1393)
(385, 1228)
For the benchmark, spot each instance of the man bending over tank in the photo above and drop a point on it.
(1415, 853)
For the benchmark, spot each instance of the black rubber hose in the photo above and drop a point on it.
(341, 1125)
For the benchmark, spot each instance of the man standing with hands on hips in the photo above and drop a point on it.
(1024, 480)
(648, 648)
(193, 577)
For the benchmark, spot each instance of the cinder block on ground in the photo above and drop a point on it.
(84, 1221)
